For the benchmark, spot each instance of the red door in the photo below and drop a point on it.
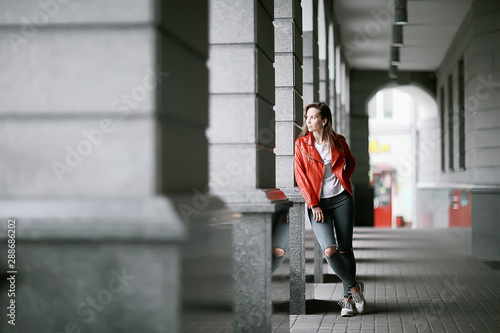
(382, 202)
(460, 209)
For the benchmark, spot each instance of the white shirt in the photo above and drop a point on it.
(331, 185)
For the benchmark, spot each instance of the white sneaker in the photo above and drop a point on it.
(347, 310)
(359, 298)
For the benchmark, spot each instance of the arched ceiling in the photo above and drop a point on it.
(366, 32)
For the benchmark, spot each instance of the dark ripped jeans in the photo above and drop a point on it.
(338, 212)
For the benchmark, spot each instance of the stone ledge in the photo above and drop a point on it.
(148, 219)
(255, 200)
(458, 186)
(293, 193)
(77, 12)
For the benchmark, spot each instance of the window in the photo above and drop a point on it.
(461, 115)
(372, 107)
(450, 123)
(442, 124)
(387, 103)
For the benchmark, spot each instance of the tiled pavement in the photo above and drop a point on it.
(416, 281)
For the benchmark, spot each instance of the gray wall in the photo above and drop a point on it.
(477, 42)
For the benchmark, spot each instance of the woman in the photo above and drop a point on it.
(323, 168)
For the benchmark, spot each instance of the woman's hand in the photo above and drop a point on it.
(318, 215)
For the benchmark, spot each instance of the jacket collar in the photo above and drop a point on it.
(310, 139)
(313, 153)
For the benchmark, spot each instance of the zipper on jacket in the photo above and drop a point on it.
(309, 157)
(324, 166)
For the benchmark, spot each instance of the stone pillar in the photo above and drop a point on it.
(358, 119)
(206, 254)
(485, 207)
(299, 290)
(324, 82)
(311, 56)
(331, 72)
(324, 96)
(88, 265)
(242, 138)
(289, 119)
(109, 127)
(346, 109)
(338, 89)
(323, 59)
(289, 106)
(482, 124)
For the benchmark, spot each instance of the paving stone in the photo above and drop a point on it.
(416, 281)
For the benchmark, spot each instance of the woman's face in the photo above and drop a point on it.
(313, 120)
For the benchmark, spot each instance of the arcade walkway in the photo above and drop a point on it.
(416, 281)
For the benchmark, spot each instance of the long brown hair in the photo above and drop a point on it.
(328, 132)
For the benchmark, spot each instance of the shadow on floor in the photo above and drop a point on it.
(319, 306)
(327, 278)
(281, 307)
(390, 238)
(493, 264)
(390, 260)
(285, 278)
(393, 248)
(208, 307)
(313, 306)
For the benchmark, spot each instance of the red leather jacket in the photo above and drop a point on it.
(309, 168)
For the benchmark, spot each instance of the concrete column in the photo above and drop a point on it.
(485, 207)
(109, 127)
(338, 88)
(482, 96)
(331, 72)
(324, 82)
(323, 58)
(482, 124)
(90, 265)
(345, 128)
(289, 106)
(242, 138)
(299, 291)
(311, 53)
(207, 253)
(323, 96)
(363, 191)
(333, 104)
(289, 119)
